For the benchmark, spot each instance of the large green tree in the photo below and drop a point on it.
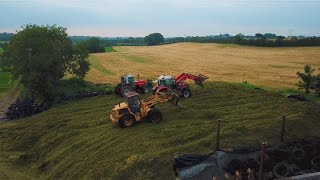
(41, 56)
(154, 39)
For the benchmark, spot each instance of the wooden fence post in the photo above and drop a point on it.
(261, 162)
(218, 136)
(283, 124)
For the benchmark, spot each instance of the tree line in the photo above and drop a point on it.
(257, 40)
(6, 36)
(97, 44)
(261, 40)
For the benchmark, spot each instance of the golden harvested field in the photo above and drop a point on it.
(272, 67)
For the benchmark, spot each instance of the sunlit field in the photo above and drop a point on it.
(272, 67)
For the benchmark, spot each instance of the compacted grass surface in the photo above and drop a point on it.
(75, 139)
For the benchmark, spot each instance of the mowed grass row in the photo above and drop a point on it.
(271, 67)
(75, 139)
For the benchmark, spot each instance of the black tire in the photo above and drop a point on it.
(281, 170)
(315, 161)
(298, 154)
(145, 89)
(125, 89)
(117, 89)
(154, 115)
(186, 93)
(127, 120)
(149, 84)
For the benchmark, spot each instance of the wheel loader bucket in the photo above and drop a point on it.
(175, 100)
(175, 95)
(200, 79)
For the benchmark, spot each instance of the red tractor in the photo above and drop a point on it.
(165, 81)
(128, 84)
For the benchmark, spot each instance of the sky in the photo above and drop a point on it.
(171, 18)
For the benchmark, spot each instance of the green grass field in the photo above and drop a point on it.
(1, 50)
(6, 83)
(76, 140)
(109, 49)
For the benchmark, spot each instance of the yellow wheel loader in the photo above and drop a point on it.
(133, 109)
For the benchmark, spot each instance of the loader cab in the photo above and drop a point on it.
(133, 101)
(127, 79)
(165, 80)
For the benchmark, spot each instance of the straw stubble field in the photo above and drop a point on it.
(272, 67)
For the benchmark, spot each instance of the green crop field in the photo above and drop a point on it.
(76, 140)
(6, 83)
(9, 91)
(109, 49)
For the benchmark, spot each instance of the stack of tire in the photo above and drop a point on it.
(295, 158)
(21, 109)
(285, 160)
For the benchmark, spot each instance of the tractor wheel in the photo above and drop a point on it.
(154, 115)
(127, 120)
(186, 93)
(125, 89)
(145, 89)
(117, 89)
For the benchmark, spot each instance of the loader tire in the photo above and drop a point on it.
(127, 120)
(154, 115)
(145, 89)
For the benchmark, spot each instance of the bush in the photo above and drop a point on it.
(309, 81)
(307, 78)
(316, 84)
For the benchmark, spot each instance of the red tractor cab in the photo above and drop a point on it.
(128, 84)
(165, 81)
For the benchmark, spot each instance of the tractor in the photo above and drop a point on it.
(128, 84)
(166, 81)
(133, 109)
